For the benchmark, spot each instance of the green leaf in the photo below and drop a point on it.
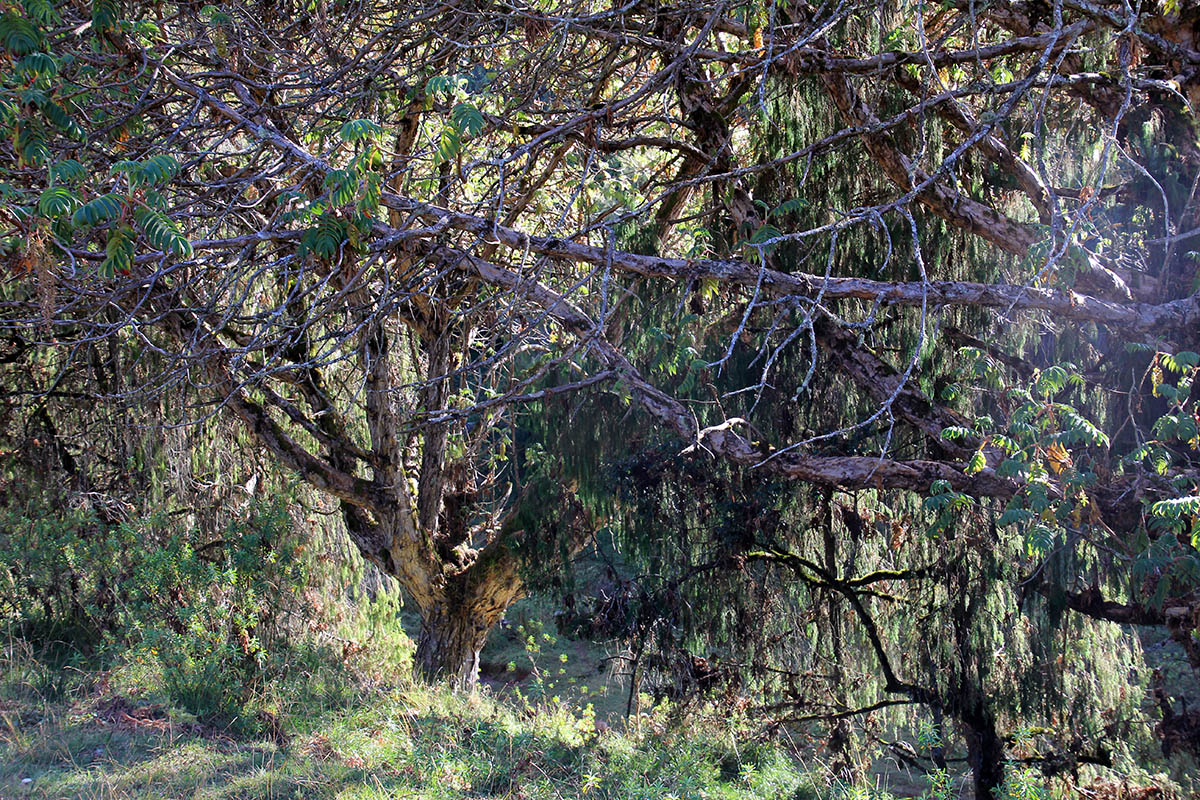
(1164, 426)
(756, 246)
(789, 207)
(104, 208)
(358, 130)
(1013, 516)
(1176, 507)
(1038, 540)
(1187, 428)
(215, 16)
(325, 239)
(162, 232)
(30, 144)
(371, 193)
(468, 119)
(1011, 468)
(977, 463)
(41, 11)
(1005, 443)
(57, 201)
(1138, 453)
(154, 171)
(765, 233)
(58, 116)
(1167, 391)
(1180, 362)
(1081, 428)
(38, 65)
(1051, 381)
(118, 253)
(18, 35)
(159, 170)
(105, 14)
(448, 146)
(439, 83)
(342, 185)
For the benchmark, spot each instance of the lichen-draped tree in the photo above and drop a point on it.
(373, 235)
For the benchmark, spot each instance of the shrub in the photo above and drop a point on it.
(212, 614)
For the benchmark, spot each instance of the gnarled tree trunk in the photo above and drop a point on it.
(458, 611)
(448, 646)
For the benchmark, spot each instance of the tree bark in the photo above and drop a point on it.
(459, 610)
(448, 646)
(985, 751)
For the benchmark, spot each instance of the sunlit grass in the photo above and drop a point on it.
(112, 734)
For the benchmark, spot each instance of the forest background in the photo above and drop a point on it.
(820, 375)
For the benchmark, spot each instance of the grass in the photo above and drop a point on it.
(411, 743)
(335, 728)
(526, 655)
(329, 711)
(324, 708)
(68, 731)
(344, 721)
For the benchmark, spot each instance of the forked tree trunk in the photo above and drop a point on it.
(457, 615)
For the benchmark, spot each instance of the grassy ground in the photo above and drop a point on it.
(547, 723)
(324, 707)
(340, 719)
(579, 672)
(102, 737)
(68, 730)
(548, 727)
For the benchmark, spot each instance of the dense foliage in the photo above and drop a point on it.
(859, 340)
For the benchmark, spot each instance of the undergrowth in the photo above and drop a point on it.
(333, 733)
(141, 659)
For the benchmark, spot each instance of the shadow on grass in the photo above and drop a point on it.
(93, 742)
(444, 757)
(88, 760)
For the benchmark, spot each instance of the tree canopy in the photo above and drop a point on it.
(861, 296)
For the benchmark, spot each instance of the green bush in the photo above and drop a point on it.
(58, 571)
(211, 614)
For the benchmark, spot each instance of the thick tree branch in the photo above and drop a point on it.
(1179, 317)
(954, 207)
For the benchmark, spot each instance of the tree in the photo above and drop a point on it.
(380, 236)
